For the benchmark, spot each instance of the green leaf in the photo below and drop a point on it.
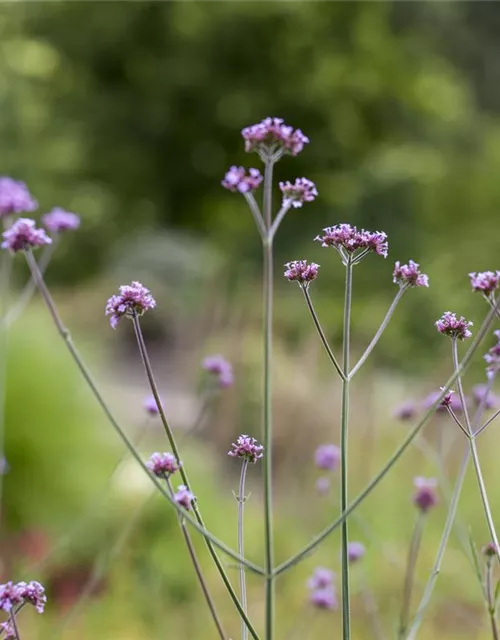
(476, 564)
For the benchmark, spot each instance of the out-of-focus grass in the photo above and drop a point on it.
(146, 586)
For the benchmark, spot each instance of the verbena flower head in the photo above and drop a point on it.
(350, 242)
(325, 598)
(493, 356)
(425, 496)
(133, 299)
(355, 551)
(238, 179)
(150, 405)
(406, 410)
(162, 464)
(482, 394)
(486, 281)
(489, 550)
(301, 271)
(321, 578)
(272, 136)
(15, 197)
(184, 497)
(449, 400)
(409, 274)
(327, 457)
(59, 220)
(22, 235)
(457, 328)
(221, 368)
(323, 485)
(33, 593)
(247, 448)
(10, 596)
(294, 195)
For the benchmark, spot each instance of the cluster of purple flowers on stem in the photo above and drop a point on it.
(426, 493)
(453, 327)
(12, 595)
(294, 195)
(322, 589)
(59, 220)
(272, 135)
(492, 358)
(220, 368)
(485, 282)
(15, 197)
(409, 275)
(247, 448)
(164, 465)
(23, 235)
(238, 179)
(133, 299)
(348, 240)
(301, 271)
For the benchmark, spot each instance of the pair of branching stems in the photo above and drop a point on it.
(267, 228)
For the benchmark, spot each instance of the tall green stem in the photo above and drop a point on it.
(346, 612)
(241, 543)
(410, 574)
(267, 404)
(491, 599)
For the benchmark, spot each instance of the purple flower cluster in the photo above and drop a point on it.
(327, 457)
(23, 592)
(322, 589)
(425, 496)
(15, 197)
(301, 271)
(247, 448)
(133, 299)
(237, 179)
(294, 195)
(150, 405)
(449, 400)
(486, 281)
(457, 328)
(59, 220)
(162, 464)
(409, 274)
(492, 358)
(184, 497)
(24, 235)
(355, 551)
(272, 135)
(347, 240)
(489, 550)
(221, 368)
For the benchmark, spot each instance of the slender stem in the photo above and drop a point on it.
(257, 216)
(412, 632)
(267, 404)
(278, 220)
(475, 456)
(322, 535)
(5, 276)
(241, 543)
(380, 331)
(26, 294)
(491, 602)
(410, 573)
(209, 537)
(319, 329)
(344, 422)
(182, 469)
(453, 416)
(12, 618)
(487, 423)
(199, 573)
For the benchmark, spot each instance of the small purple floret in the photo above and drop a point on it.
(162, 464)
(15, 197)
(238, 179)
(489, 550)
(324, 598)
(150, 405)
(133, 299)
(321, 578)
(457, 328)
(184, 497)
(327, 457)
(24, 235)
(486, 281)
(294, 195)
(247, 448)
(221, 368)
(409, 274)
(59, 220)
(355, 551)
(273, 135)
(425, 496)
(347, 239)
(449, 400)
(301, 271)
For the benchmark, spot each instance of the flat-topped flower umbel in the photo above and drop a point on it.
(301, 271)
(23, 592)
(162, 464)
(298, 192)
(449, 325)
(272, 135)
(247, 448)
(15, 197)
(59, 220)
(133, 299)
(486, 281)
(409, 275)
(24, 235)
(239, 179)
(348, 240)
